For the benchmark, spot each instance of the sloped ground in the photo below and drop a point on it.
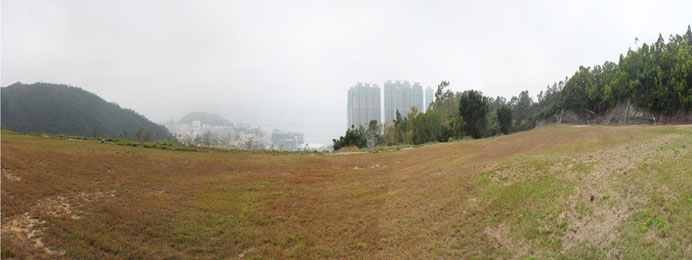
(557, 192)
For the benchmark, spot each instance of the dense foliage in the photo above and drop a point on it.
(61, 109)
(504, 118)
(354, 137)
(656, 76)
(426, 127)
(473, 107)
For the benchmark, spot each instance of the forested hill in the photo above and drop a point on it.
(656, 77)
(62, 109)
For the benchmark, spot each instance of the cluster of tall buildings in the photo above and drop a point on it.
(364, 102)
(363, 105)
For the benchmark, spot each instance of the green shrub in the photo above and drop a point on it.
(649, 222)
(563, 225)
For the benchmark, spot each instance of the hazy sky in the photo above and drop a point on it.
(290, 63)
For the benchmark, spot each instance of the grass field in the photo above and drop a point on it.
(559, 192)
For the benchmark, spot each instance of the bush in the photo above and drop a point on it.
(354, 136)
(426, 127)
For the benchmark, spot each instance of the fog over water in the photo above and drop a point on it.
(289, 63)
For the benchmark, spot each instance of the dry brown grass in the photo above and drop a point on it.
(89, 200)
(348, 148)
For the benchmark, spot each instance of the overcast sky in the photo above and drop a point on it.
(290, 63)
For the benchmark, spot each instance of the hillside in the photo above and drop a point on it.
(62, 109)
(557, 192)
(623, 113)
(655, 79)
(205, 119)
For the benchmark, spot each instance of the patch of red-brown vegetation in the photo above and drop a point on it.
(105, 201)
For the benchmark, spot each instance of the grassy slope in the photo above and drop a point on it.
(555, 192)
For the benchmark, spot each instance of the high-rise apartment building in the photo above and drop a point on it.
(429, 97)
(417, 96)
(401, 96)
(363, 105)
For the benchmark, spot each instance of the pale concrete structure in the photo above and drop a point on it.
(429, 97)
(363, 105)
(401, 96)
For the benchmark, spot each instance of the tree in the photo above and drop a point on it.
(147, 136)
(248, 144)
(406, 127)
(403, 127)
(399, 127)
(389, 136)
(453, 127)
(373, 134)
(492, 126)
(522, 111)
(504, 118)
(446, 104)
(444, 101)
(139, 134)
(473, 107)
(354, 136)
(397, 119)
(427, 127)
(95, 133)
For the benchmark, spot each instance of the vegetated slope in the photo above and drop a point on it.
(656, 78)
(205, 119)
(62, 109)
(624, 113)
(567, 192)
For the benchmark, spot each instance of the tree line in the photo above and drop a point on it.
(656, 76)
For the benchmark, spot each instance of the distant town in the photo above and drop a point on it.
(212, 130)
